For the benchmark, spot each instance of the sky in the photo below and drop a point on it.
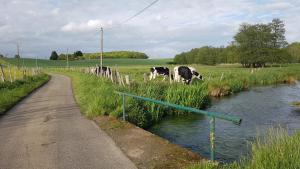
(162, 31)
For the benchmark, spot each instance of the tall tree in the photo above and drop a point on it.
(253, 43)
(278, 34)
(294, 50)
(78, 55)
(278, 41)
(54, 55)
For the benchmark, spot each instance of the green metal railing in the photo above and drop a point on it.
(212, 115)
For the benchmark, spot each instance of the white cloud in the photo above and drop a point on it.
(165, 29)
(55, 11)
(90, 25)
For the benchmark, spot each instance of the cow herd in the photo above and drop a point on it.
(183, 74)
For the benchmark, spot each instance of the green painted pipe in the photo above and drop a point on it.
(212, 129)
(123, 106)
(234, 119)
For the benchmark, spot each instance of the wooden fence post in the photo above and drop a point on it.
(222, 77)
(9, 69)
(122, 81)
(127, 80)
(119, 78)
(2, 73)
(111, 76)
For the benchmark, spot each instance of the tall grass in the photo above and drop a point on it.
(96, 97)
(10, 93)
(275, 150)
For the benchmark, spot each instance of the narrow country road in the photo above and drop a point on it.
(47, 131)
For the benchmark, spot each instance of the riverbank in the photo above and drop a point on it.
(276, 150)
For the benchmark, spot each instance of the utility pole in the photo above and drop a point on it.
(101, 53)
(18, 54)
(67, 57)
(36, 61)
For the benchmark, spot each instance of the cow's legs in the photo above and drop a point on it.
(154, 74)
(151, 76)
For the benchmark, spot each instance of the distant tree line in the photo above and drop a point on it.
(254, 45)
(117, 54)
(78, 55)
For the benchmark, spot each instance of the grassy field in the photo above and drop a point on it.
(276, 150)
(85, 63)
(11, 93)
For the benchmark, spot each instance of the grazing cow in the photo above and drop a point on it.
(155, 71)
(186, 74)
(105, 70)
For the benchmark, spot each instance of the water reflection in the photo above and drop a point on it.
(260, 109)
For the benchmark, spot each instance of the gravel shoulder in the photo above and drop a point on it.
(145, 149)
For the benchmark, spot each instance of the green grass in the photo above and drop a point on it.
(85, 63)
(11, 93)
(275, 150)
(90, 90)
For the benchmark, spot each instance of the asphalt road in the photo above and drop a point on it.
(47, 131)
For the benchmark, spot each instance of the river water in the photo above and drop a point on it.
(260, 108)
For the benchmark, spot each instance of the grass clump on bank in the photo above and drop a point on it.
(275, 150)
(11, 93)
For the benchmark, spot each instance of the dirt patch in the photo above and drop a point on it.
(145, 149)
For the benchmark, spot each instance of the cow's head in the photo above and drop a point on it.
(197, 75)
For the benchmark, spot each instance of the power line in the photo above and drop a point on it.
(135, 15)
(141, 11)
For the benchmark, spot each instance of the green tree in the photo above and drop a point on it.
(278, 41)
(17, 56)
(54, 55)
(278, 31)
(253, 42)
(294, 51)
(78, 55)
(1, 56)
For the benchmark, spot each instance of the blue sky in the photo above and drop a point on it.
(165, 29)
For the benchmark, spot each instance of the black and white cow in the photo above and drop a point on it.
(186, 74)
(162, 71)
(105, 70)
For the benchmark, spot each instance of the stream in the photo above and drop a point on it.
(260, 108)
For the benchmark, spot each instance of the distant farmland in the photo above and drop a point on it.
(85, 63)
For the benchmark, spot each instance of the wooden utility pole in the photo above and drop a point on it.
(67, 57)
(36, 62)
(101, 53)
(18, 54)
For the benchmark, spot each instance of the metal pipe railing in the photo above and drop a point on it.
(212, 115)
